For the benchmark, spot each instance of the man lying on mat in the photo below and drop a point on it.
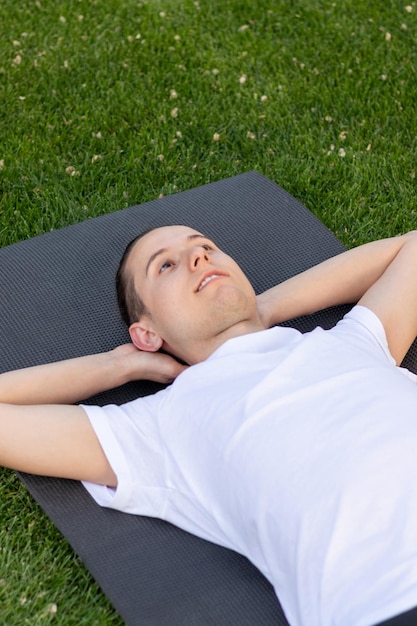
(298, 451)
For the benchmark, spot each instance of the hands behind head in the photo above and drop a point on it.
(140, 365)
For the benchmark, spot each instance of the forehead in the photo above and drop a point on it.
(165, 237)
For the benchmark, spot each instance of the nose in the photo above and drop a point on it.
(199, 256)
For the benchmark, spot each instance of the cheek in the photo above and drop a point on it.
(166, 301)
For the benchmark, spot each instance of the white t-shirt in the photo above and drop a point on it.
(298, 451)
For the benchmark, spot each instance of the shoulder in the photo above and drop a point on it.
(363, 325)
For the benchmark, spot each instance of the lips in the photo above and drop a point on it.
(208, 277)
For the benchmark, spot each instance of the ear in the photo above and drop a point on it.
(145, 338)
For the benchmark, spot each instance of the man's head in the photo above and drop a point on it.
(178, 291)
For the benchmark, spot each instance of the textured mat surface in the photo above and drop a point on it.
(57, 301)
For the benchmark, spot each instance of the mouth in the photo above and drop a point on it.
(208, 278)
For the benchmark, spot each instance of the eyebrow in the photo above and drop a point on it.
(163, 250)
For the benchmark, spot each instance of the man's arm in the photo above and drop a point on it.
(380, 275)
(57, 439)
(52, 440)
(73, 380)
(393, 298)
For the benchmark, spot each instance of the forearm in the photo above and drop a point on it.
(64, 382)
(339, 280)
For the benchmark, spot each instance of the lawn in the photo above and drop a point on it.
(109, 103)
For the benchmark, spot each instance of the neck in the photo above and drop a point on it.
(200, 351)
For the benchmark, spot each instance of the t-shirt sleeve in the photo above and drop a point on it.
(367, 326)
(363, 325)
(129, 436)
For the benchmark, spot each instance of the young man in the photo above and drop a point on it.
(295, 450)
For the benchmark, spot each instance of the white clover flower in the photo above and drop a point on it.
(71, 171)
(216, 137)
(243, 79)
(342, 152)
(174, 112)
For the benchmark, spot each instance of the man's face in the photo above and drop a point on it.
(193, 291)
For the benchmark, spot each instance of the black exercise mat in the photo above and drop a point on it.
(58, 301)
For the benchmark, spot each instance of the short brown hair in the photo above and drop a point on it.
(131, 306)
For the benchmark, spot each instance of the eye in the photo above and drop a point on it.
(165, 266)
(207, 246)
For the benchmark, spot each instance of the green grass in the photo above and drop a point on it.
(89, 124)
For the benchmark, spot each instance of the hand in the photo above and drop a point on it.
(155, 366)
